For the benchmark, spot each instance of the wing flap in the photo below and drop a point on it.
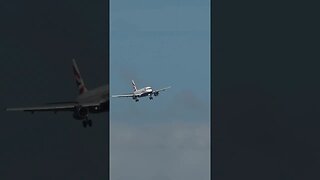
(53, 107)
(123, 95)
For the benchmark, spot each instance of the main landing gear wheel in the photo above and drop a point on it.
(137, 100)
(150, 97)
(86, 123)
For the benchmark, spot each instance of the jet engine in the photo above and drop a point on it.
(80, 112)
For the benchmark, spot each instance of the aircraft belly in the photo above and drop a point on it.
(145, 94)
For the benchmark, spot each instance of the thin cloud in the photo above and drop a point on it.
(167, 150)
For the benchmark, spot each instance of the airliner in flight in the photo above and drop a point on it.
(143, 92)
(88, 101)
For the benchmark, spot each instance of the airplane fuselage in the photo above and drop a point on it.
(146, 91)
(100, 94)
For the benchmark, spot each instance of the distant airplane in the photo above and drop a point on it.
(88, 101)
(146, 91)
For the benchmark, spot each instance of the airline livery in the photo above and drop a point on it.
(143, 92)
(88, 101)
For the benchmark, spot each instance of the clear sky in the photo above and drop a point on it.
(158, 44)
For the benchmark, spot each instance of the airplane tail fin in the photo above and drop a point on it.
(79, 81)
(134, 85)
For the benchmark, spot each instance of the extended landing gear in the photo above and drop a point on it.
(137, 100)
(150, 97)
(87, 122)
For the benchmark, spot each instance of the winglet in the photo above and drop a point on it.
(79, 81)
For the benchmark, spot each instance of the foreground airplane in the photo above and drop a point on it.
(137, 93)
(88, 101)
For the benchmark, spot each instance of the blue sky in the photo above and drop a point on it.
(160, 43)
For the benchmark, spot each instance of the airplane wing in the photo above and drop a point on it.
(124, 95)
(53, 107)
(163, 89)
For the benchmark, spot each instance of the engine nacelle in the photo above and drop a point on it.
(80, 112)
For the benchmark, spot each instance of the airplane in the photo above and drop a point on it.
(88, 101)
(143, 92)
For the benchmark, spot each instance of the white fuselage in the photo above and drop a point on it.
(146, 91)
